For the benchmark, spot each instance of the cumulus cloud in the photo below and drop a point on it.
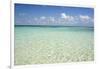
(35, 19)
(63, 15)
(63, 19)
(52, 19)
(22, 14)
(42, 17)
(85, 17)
(67, 17)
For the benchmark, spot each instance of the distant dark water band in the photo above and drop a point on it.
(49, 26)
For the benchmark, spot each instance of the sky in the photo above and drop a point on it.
(31, 14)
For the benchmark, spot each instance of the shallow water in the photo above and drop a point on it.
(43, 45)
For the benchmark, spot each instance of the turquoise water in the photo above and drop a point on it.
(43, 45)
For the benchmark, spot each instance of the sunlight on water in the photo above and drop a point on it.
(43, 45)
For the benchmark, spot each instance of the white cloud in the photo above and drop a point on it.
(35, 19)
(42, 17)
(22, 14)
(85, 17)
(52, 19)
(67, 17)
(72, 18)
(63, 15)
(63, 19)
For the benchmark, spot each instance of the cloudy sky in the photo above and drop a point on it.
(27, 14)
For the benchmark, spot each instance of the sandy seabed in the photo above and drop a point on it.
(52, 45)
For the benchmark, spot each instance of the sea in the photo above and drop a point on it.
(52, 44)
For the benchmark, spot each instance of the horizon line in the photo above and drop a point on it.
(53, 26)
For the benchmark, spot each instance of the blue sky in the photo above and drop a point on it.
(30, 14)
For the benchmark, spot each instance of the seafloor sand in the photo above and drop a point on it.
(42, 45)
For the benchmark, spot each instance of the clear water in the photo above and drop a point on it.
(43, 45)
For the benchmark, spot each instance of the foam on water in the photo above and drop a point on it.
(43, 45)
